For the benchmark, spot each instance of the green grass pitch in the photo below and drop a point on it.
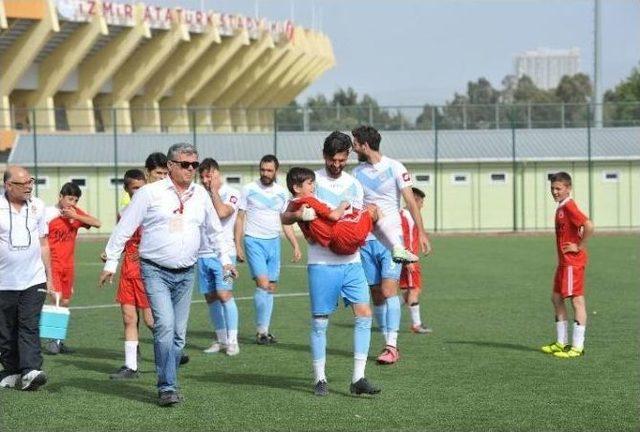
(487, 298)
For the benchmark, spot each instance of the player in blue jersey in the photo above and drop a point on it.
(333, 276)
(384, 181)
(258, 224)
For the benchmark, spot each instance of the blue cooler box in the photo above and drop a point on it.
(54, 321)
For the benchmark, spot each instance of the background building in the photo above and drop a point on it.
(546, 66)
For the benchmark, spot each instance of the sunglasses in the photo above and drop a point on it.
(186, 164)
(29, 182)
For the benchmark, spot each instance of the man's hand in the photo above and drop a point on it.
(570, 247)
(308, 214)
(230, 271)
(103, 257)
(425, 246)
(297, 255)
(240, 254)
(105, 276)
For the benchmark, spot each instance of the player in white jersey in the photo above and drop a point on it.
(258, 223)
(333, 276)
(213, 283)
(384, 181)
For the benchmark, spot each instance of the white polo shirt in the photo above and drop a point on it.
(21, 263)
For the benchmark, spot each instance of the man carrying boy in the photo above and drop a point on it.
(573, 229)
(411, 275)
(64, 220)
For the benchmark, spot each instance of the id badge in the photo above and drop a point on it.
(176, 224)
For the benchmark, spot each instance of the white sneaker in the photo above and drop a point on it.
(33, 380)
(404, 256)
(233, 349)
(10, 381)
(215, 348)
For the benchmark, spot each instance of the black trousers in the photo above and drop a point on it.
(19, 333)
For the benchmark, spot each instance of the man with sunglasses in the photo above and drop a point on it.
(172, 213)
(25, 278)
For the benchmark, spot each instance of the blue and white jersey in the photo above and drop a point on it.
(231, 197)
(263, 206)
(382, 184)
(332, 192)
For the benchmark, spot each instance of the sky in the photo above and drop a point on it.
(412, 52)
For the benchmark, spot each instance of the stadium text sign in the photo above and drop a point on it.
(158, 17)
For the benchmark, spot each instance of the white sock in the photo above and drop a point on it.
(415, 315)
(388, 230)
(392, 338)
(131, 354)
(561, 332)
(222, 336)
(232, 337)
(359, 364)
(262, 330)
(318, 369)
(578, 336)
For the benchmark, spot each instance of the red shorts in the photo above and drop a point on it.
(350, 233)
(569, 281)
(411, 280)
(131, 292)
(62, 279)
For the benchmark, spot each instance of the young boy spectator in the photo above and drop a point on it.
(131, 294)
(64, 220)
(573, 229)
(411, 275)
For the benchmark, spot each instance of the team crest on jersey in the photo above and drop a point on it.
(233, 199)
(560, 214)
(406, 177)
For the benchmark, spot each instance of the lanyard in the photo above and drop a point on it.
(182, 199)
(14, 247)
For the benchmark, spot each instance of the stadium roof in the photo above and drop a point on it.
(305, 147)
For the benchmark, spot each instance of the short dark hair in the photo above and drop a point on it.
(336, 142)
(208, 164)
(560, 177)
(298, 175)
(155, 160)
(369, 135)
(418, 192)
(70, 189)
(133, 174)
(270, 158)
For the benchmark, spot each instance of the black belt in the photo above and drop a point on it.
(167, 269)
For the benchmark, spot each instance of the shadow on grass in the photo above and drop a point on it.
(302, 385)
(501, 345)
(124, 390)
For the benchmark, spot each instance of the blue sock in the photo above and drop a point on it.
(318, 338)
(362, 336)
(231, 314)
(216, 314)
(380, 313)
(261, 300)
(394, 311)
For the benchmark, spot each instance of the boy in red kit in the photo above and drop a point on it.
(342, 230)
(573, 229)
(411, 275)
(64, 220)
(131, 293)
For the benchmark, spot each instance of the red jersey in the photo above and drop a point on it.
(131, 263)
(569, 223)
(319, 230)
(410, 232)
(62, 236)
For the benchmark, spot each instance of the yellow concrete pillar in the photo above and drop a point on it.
(174, 111)
(3, 17)
(139, 68)
(96, 70)
(17, 58)
(57, 67)
(147, 105)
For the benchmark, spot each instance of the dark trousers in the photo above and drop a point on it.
(19, 333)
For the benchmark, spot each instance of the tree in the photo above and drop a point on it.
(575, 92)
(622, 104)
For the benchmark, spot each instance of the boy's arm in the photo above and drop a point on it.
(224, 210)
(336, 214)
(587, 230)
(412, 206)
(238, 235)
(291, 216)
(85, 218)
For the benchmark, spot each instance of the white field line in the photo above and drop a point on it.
(117, 305)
